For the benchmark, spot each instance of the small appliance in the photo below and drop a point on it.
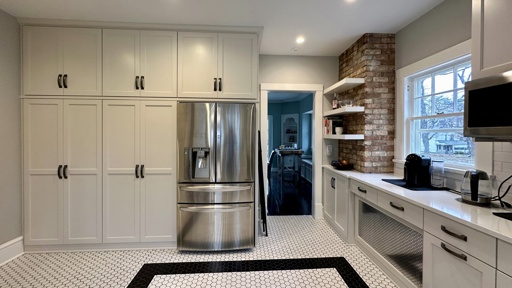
(417, 170)
(476, 188)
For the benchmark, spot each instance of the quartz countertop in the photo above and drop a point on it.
(441, 202)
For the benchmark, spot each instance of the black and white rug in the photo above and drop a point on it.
(146, 274)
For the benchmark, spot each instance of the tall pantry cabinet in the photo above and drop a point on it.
(139, 187)
(62, 171)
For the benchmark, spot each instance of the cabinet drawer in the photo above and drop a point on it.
(469, 240)
(403, 209)
(364, 191)
(504, 260)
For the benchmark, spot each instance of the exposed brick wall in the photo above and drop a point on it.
(371, 57)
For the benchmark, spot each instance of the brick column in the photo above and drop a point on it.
(371, 57)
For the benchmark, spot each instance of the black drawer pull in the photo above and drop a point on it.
(59, 80)
(65, 80)
(142, 171)
(59, 172)
(65, 171)
(214, 84)
(141, 82)
(461, 256)
(361, 190)
(220, 84)
(396, 206)
(137, 171)
(136, 82)
(458, 236)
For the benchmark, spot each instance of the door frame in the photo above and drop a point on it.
(317, 91)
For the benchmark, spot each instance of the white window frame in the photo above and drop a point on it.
(402, 143)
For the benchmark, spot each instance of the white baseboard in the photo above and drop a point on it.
(318, 211)
(11, 250)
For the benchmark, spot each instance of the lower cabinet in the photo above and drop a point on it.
(62, 173)
(335, 201)
(139, 187)
(447, 266)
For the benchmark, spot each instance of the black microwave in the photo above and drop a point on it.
(487, 114)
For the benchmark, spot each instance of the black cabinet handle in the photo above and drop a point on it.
(59, 172)
(461, 256)
(458, 236)
(59, 80)
(361, 190)
(214, 84)
(220, 84)
(137, 171)
(396, 206)
(136, 82)
(142, 171)
(65, 80)
(141, 82)
(65, 172)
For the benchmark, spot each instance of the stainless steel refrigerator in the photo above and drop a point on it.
(216, 154)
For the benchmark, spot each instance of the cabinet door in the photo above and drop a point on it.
(491, 51)
(329, 196)
(159, 63)
(82, 176)
(42, 62)
(158, 185)
(81, 52)
(341, 210)
(503, 280)
(238, 66)
(197, 65)
(121, 62)
(121, 150)
(42, 155)
(442, 269)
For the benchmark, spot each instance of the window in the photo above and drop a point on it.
(436, 103)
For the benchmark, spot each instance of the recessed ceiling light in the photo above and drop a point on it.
(300, 39)
(295, 49)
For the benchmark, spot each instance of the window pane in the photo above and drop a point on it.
(459, 103)
(423, 86)
(452, 147)
(443, 80)
(455, 122)
(423, 106)
(463, 74)
(443, 103)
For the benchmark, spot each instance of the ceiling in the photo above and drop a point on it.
(328, 26)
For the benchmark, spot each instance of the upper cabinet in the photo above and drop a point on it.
(139, 63)
(217, 65)
(61, 61)
(491, 51)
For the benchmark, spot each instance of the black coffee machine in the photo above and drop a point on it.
(417, 171)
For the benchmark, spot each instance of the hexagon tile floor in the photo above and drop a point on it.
(291, 238)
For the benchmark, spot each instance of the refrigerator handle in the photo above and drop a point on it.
(215, 208)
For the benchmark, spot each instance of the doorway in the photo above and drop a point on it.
(315, 116)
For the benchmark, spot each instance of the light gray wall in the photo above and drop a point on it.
(298, 69)
(10, 130)
(444, 26)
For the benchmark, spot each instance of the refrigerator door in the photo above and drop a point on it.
(196, 145)
(215, 226)
(235, 142)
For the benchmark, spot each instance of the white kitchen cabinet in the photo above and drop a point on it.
(503, 280)
(289, 129)
(444, 265)
(329, 196)
(139, 171)
(62, 171)
(217, 65)
(61, 61)
(491, 51)
(335, 201)
(139, 63)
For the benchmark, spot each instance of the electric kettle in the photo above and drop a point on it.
(476, 187)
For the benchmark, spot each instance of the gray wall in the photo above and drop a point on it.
(10, 130)
(444, 26)
(298, 69)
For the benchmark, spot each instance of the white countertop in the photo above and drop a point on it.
(441, 202)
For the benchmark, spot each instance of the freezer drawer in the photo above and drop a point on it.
(215, 193)
(215, 227)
